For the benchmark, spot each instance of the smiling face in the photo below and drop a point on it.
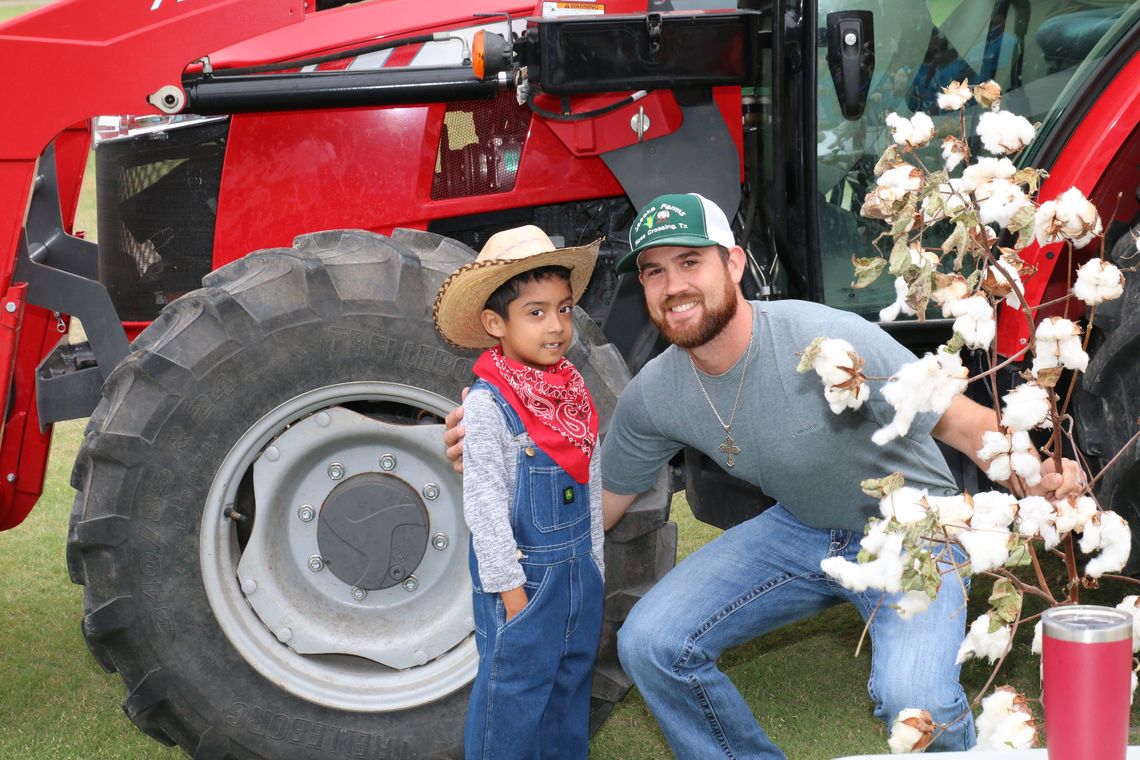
(691, 293)
(539, 324)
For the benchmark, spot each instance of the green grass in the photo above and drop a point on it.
(57, 702)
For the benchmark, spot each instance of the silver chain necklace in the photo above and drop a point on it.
(729, 448)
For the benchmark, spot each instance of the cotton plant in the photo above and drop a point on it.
(986, 205)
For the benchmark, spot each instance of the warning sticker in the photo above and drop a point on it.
(572, 9)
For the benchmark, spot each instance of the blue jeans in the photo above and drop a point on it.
(759, 576)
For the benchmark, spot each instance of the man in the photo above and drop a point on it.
(728, 387)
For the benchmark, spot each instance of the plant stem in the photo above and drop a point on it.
(1041, 574)
(993, 370)
(1071, 567)
(1084, 347)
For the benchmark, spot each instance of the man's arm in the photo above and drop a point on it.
(614, 506)
(962, 426)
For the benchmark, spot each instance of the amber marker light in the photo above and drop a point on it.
(478, 56)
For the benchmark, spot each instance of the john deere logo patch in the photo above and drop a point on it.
(568, 495)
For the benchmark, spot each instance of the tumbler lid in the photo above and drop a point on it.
(1087, 624)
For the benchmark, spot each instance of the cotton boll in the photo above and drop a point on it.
(988, 549)
(838, 367)
(1131, 605)
(1058, 344)
(993, 509)
(905, 504)
(1035, 647)
(1023, 458)
(979, 642)
(1110, 533)
(1004, 132)
(954, 512)
(1070, 217)
(952, 289)
(1026, 407)
(901, 178)
(984, 170)
(994, 443)
(954, 96)
(1073, 513)
(914, 132)
(1037, 517)
(926, 385)
(912, 603)
(891, 313)
(1000, 468)
(1006, 722)
(1098, 281)
(884, 572)
(975, 321)
(999, 200)
(912, 731)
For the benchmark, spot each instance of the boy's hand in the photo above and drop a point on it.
(453, 436)
(514, 601)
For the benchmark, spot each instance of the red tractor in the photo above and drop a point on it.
(270, 539)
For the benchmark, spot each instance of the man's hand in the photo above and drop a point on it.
(962, 427)
(1070, 481)
(514, 601)
(453, 437)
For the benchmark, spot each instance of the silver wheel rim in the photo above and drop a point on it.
(313, 657)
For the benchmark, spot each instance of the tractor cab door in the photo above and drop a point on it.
(1042, 53)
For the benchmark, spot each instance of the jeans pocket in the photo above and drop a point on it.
(534, 589)
(556, 501)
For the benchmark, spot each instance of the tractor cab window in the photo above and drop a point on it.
(1034, 50)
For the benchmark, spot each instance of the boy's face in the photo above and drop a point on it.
(539, 324)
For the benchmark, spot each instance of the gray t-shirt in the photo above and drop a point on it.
(791, 444)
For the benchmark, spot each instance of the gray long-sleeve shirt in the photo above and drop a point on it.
(490, 454)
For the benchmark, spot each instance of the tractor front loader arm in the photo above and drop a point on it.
(78, 59)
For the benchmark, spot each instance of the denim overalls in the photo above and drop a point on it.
(531, 696)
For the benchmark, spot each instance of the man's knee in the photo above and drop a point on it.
(643, 642)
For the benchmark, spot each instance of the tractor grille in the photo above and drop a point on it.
(157, 201)
(480, 147)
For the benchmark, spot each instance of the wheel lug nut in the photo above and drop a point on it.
(411, 584)
(431, 492)
(306, 513)
(358, 593)
(336, 471)
(316, 563)
(388, 462)
(439, 541)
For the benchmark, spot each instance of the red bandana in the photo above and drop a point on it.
(554, 406)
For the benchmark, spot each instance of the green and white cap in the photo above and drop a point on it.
(685, 219)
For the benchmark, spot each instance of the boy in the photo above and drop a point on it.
(531, 496)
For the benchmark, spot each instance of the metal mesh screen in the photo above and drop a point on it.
(157, 207)
(480, 147)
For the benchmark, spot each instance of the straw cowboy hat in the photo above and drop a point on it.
(464, 294)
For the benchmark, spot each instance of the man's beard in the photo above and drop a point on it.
(716, 318)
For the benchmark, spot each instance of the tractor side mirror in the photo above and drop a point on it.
(851, 58)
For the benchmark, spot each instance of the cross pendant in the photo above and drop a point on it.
(728, 447)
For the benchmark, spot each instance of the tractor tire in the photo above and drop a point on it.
(1106, 405)
(269, 535)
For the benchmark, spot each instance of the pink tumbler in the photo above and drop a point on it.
(1087, 664)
